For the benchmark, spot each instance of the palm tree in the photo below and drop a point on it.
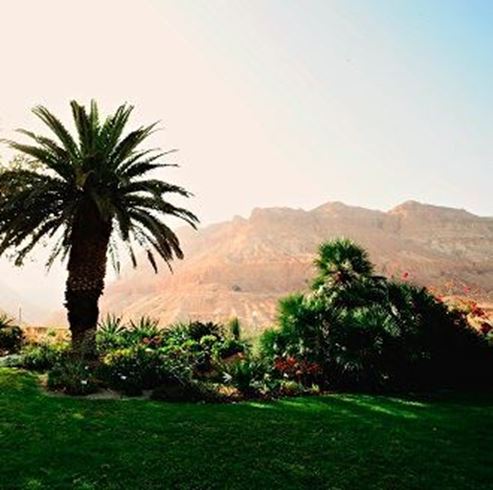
(341, 261)
(92, 195)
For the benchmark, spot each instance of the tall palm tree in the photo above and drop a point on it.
(91, 194)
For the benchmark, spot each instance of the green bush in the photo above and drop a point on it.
(111, 334)
(43, 356)
(134, 369)
(197, 330)
(368, 333)
(145, 330)
(235, 328)
(72, 376)
(249, 376)
(228, 348)
(205, 343)
(193, 391)
(11, 336)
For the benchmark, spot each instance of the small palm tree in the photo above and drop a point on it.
(340, 261)
(92, 195)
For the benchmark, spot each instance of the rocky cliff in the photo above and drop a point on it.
(241, 267)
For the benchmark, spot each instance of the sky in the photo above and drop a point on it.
(270, 102)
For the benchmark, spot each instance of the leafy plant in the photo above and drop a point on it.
(235, 328)
(110, 333)
(301, 371)
(72, 376)
(144, 330)
(11, 336)
(246, 375)
(193, 391)
(138, 368)
(197, 330)
(228, 348)
(43, 356)
(368, 333)
(340, 262)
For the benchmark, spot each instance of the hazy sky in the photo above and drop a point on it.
(272, 102)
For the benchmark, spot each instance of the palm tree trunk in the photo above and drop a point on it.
(86, 273)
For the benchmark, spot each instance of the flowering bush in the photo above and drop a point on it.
(476, 316)
(43, 356)
(302, 371)
(72, 376)
(134, 369)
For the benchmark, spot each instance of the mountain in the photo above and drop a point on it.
(15, 305)
(241, 267)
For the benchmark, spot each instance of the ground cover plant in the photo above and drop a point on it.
(335, 441)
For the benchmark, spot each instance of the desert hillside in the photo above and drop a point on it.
(241, 267)
(15, 305)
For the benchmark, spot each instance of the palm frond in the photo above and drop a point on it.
(103, 169)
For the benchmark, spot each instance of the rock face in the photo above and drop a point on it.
(241, 267)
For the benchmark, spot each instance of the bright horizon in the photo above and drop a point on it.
(271, 103)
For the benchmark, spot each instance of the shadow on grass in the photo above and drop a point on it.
(332, 441)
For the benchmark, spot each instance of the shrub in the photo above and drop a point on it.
(11, 336)
(42, 356)
(290, 388)
(360, 349)
(235, 328)
(11, 361)
(193, 391)
(72, 376)
(365, 332)
(203, 343)
(303, 323)
(301, 371)
(248, 375)
(110, 334)
(228, 348)
(145, 330)
(197, 330)
(138, 368)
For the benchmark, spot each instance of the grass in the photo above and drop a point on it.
(336, 441)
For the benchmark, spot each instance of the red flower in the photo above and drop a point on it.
(300, 370)
(477, 311)
(405, 275)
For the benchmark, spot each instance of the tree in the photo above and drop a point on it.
(91, 195)
(341, 261)
(367, 332)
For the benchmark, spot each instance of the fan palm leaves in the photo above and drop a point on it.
(91, 193)
(340, 261)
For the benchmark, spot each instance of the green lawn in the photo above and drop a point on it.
(339, 442)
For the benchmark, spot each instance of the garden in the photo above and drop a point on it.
(353, 331)
(363, 381)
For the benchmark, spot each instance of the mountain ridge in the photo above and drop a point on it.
(241, 267)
